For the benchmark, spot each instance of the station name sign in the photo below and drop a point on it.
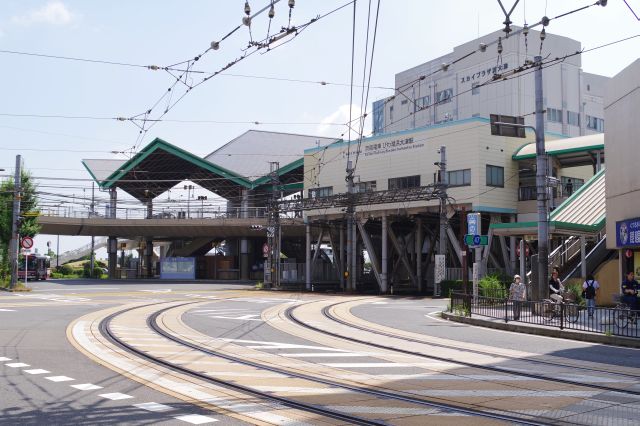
(628, 233)
(391, 146)
(484, 73)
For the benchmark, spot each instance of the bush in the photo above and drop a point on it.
(56, 275)
(576, 290)
(97, 272)
(492, 286)
(447, 286)
(65, 269)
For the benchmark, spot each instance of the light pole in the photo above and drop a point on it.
(202, 199)
(189, 189)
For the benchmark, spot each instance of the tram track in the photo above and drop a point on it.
(152, 323)
(326, 312)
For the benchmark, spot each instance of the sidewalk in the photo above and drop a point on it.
(541, 330)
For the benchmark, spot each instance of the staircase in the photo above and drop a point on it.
(81, 252)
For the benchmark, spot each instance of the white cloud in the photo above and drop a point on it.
(341, 115)
(53, 13)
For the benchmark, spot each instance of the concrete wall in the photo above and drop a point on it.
(622, 120)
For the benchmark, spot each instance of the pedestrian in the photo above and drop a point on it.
(555, 286)
(517, 294)
(630, 291)
(569, 187)
(590, 290)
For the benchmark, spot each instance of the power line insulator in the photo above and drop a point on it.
(272, 11)
(247, 8)
(545, 21)
(246, 21)
(215, 45)
(543, 34)
(292, 4)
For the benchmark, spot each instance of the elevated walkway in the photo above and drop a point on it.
(165, 228)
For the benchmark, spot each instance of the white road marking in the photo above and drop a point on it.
(167, 290)
(86, 386)
(220, 310)
(380, 303)
(83, 289)
(59, 379)
(259, 344)
(387, 364)
(17, 365)
(2, 358)
(242, 318)
(153, 406)
(297, 389)
(196, 419)
(115, 396)
(327, 354)
(37, 371)
(7, 310)
(52, 297)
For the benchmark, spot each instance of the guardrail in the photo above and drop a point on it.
(161, 213)
(565, 316)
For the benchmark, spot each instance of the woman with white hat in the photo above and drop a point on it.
(517, 294)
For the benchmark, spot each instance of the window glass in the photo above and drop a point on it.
(404, 182)
(495, 176)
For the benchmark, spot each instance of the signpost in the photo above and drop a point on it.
(475, 282)
(474, 240)
(27, 243)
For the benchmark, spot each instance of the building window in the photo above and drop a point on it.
(573, 118)
(391, 113)
(403, 102)
(321, 192)
(475, 88)
(404, 182)
(595, 123)
(554, 115)
(422, 103)
(369, 186)
(378, 116)
(495, 176)
(459, 177)
(444, 96)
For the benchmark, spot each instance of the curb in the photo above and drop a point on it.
(547, 332)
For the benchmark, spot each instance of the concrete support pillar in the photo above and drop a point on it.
(148, 257)
(418, 246)
(598, 161)
(244, 259)
(512, 251)
(112, 252)
(523, 258)
(384, 274)
(583, 257)
(354, 256)
(308, 257)
(342, 255)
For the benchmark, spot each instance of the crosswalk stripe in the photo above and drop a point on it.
(86, 386)
(17, 365)
(37, 371)
(196, 419)
(115, 396)
(59, 379)
(153, 406)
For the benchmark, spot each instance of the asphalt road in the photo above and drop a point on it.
(45, 379)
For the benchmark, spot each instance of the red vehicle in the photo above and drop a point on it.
(38, 267)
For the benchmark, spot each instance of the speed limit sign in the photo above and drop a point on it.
(27, 243)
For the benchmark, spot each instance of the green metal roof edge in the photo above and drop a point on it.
(576, 194)
(564, 225)
(286, 169)
(158, 143)
(556, 153)
(91, 173)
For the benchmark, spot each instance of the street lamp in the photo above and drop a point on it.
(189, 189)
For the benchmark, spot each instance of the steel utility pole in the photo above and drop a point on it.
(93, 238)
(15, 236)
(273, 232)
(541, 185)
(350, 284)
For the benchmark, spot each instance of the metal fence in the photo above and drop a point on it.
(565, 316)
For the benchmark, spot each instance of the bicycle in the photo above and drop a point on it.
(623, 315)
(552, 308)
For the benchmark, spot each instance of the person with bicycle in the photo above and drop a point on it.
(630, 291)
(555, 287)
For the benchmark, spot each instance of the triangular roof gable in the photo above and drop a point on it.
(159, 144)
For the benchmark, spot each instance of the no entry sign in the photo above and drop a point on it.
(27, 242)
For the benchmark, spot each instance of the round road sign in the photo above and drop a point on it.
(27, 242)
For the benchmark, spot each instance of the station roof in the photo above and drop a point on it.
(583, 213)
(570, 151)
(243, 163)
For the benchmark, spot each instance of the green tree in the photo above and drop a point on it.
(29, 225)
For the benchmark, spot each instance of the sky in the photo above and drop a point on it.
(167, 32)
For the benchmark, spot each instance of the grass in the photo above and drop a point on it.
(19, 286)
